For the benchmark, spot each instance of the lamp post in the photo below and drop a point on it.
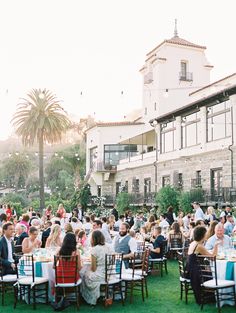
(154, 124)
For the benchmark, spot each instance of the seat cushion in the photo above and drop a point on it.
(136, 272)
(112, 281)
(130, 277)
(8, 278)
(182, 279)
(65, 285)
(220, 283)
(28, 280)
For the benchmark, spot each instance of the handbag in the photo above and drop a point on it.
(60, 305)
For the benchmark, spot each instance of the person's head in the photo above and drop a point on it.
(81, 234)
(210, 210)
(219, 231)
(192, 225)
(228, 209)
(20, 228)
(122, 217)
(200, 223)
(199, 233)
(3, 217)
(175, 227)
(68, 245)
(74, 219)
(195, 205)
(55, 232)
(162, 217)
(57, 222)
(25, 218)
(60, 206)
(68, 228)
(170, 209)
(143, 230)
(92, 217)
(112, 218)
(124, 228)
(49, 208)
(104, 219)
(47, 224)
(97, 238)
(33, 232)
(8, 230)
(8, 206)
(87, 219)
(132, 233)
(97, 224)
(156, 231)
(151, 219)
(211, 229)
(229, 218)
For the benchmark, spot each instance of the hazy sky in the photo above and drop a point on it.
(98, 46)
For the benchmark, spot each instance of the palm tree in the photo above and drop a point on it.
(40, 118)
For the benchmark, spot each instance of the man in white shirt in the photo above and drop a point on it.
(199, 215)
(163, 222)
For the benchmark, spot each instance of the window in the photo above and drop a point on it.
(145, 111)
(165, 180)
(216, 183)
(118, 187)
(218, 121)
(92, 156)
(183, 68)
(135, 185)
(114, 153)
(155, 106)
(180, 181)
(126, 188)
(190, 128)
(167, 137)
(99, 190)
(198, 178)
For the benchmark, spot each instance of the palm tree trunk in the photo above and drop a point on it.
(41, 173)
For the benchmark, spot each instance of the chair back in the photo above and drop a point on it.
(140, 245)
(66, 269)
(182, 264)
(207, 268)
(18, 249)
(138, 262)
(113, 266)
(176, 241)
(164, 248)
(25, 265)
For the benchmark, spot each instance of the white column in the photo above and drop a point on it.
(203, 127)
(178, 133)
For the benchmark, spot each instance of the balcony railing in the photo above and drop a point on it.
(103, 167)
(186, 76)
(196, 182)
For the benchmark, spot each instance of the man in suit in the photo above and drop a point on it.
(21, 234)
(7, 249)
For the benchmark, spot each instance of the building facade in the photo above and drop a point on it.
(184, 136)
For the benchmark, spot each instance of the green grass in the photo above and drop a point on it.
(164, 297)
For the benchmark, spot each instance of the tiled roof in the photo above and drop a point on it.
(216, 82)
(178, 41)
(109, 124)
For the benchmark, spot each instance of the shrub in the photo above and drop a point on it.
(167, 196)
(185, 201)
(123, 201)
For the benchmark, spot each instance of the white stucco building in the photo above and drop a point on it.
(184, 136)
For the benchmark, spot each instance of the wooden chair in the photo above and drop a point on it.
(185, 283)
(6, 282)
(112, 284)
(211, 285)
(18, 250)
(67, 276)
(135, 277)
(28, 285)
(175, 244)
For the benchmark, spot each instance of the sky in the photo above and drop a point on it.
(89, 52)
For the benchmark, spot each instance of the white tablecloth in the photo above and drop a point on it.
(221, 274)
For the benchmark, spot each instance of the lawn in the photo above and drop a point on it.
(164, 296)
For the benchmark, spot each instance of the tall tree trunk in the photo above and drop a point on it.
(41, 173)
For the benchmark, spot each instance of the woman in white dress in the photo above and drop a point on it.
(92, 279)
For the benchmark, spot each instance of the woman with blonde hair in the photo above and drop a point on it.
(54, 239)
(211, 229)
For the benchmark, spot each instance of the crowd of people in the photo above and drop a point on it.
(75, 233)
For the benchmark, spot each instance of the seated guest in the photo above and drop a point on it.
(163, 222)
(229, 225)
(97, 225)
(3, 219)
(32, 242)
(54, 239)
(82, 238)
(46, 233)
(20, 234)
(119, 222)
(25, 221)
(90, 288)
(157, 251)
(211, 229)
(197, 248)
(68, 251)
(68, 228)
(87, 226)
(218, 236)
(75, 223)
(124, 243)
(7, 249)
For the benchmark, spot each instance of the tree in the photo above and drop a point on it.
(40, 118)
(123, 201)
(15, 170)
